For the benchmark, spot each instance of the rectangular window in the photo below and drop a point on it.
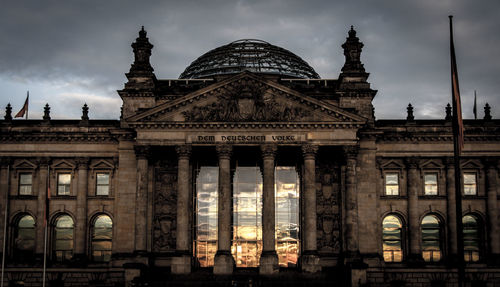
(63, 183)
(25, 183)
(391, 184)
(470, 186)
(102, 184)
(431, 185)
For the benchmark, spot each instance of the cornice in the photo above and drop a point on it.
(250, 125)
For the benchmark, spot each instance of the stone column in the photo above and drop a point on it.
(4, 190)
(269, 259)
(309, 259)
(181, 264)
(81, 208)
(492, 193)
(351, 199)
(413, 213)
(43, 164)
(224, 261)
(451, 209)
(141, 207)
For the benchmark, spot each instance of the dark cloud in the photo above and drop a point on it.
(67, 52)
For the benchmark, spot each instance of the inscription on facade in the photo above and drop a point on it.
(241, 138)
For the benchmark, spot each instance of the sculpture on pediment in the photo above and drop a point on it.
(246, 100)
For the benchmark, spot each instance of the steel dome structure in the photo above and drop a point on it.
(252, 55)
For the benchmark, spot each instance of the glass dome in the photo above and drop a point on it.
(251, 55)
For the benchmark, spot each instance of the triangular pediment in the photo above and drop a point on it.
(25, 164)
(246, 97)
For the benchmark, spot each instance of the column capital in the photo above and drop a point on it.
(183, 151)
(351, 151)
(412, 162)
(82, 162)
(224, 150)
(309, 150)
(268, 150)
(142, 152)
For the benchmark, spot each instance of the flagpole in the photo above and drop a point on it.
(46, 228)
(5, 224)
(475, 106)
(27, 107)
(457, 147)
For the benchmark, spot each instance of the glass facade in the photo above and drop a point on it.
(287, 192)
(247, 216)
(206, 200)
(431, 239)
(102, 235)
(392, 239)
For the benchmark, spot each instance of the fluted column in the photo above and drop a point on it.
(269, 259)
(451, 209)
(413, 218)
(182, 263)
(224, 262)
(81, 207)
(351, 202)
(492, 193)
(142, 154)
(309, 258)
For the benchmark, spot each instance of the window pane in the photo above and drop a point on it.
(431, 184)
(102, 178)
(470, 184)
(391, 184)
(471, 238)
(64, 221)
(102, 190)
(391, 239)
(25, 178)
(64, 178)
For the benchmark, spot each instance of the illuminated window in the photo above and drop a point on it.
(102, 234)
(391, 184)
(63, 238)
(431, 185)
(471, 238)
(247, 216)
(431, 239)
(24, 238)
(287, 215)
(102, 184)
(63, 183)
(206, 199)
(470, 187)
(392, 239)
(25, 183)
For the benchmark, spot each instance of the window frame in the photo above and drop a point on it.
(20, 185)
(435, 173)
(476, 177)
(440, 238)
(402, 240)
(55, 240)
(390, 172)
(97, 183)
(59, 173)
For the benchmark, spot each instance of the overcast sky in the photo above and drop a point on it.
(69, 52)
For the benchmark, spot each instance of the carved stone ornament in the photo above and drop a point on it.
(246, 100)
(165, 208)
(328, 208)
(268, 150)
(183, 150)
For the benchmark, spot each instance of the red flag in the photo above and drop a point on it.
(24, 110)
(458, 126)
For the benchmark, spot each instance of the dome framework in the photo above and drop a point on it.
(252, 55)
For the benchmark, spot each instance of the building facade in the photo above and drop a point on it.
(249, 163)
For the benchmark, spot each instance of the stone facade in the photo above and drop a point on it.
(140, 173)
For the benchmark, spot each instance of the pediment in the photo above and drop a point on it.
(25, 164)
(101, 164)
(431, 164)
(63, 164)
(246, 97)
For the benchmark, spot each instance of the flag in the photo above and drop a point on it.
(458, 126)
(24, 110)
(474, 109)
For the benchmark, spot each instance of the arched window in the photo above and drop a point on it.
(471, 238)
(431, 239)
(102, 235)
(63, 238)
(392, 239)
(24, 238)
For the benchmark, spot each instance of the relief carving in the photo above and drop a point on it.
(328, 209)
(246, 100)
(165, 209)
